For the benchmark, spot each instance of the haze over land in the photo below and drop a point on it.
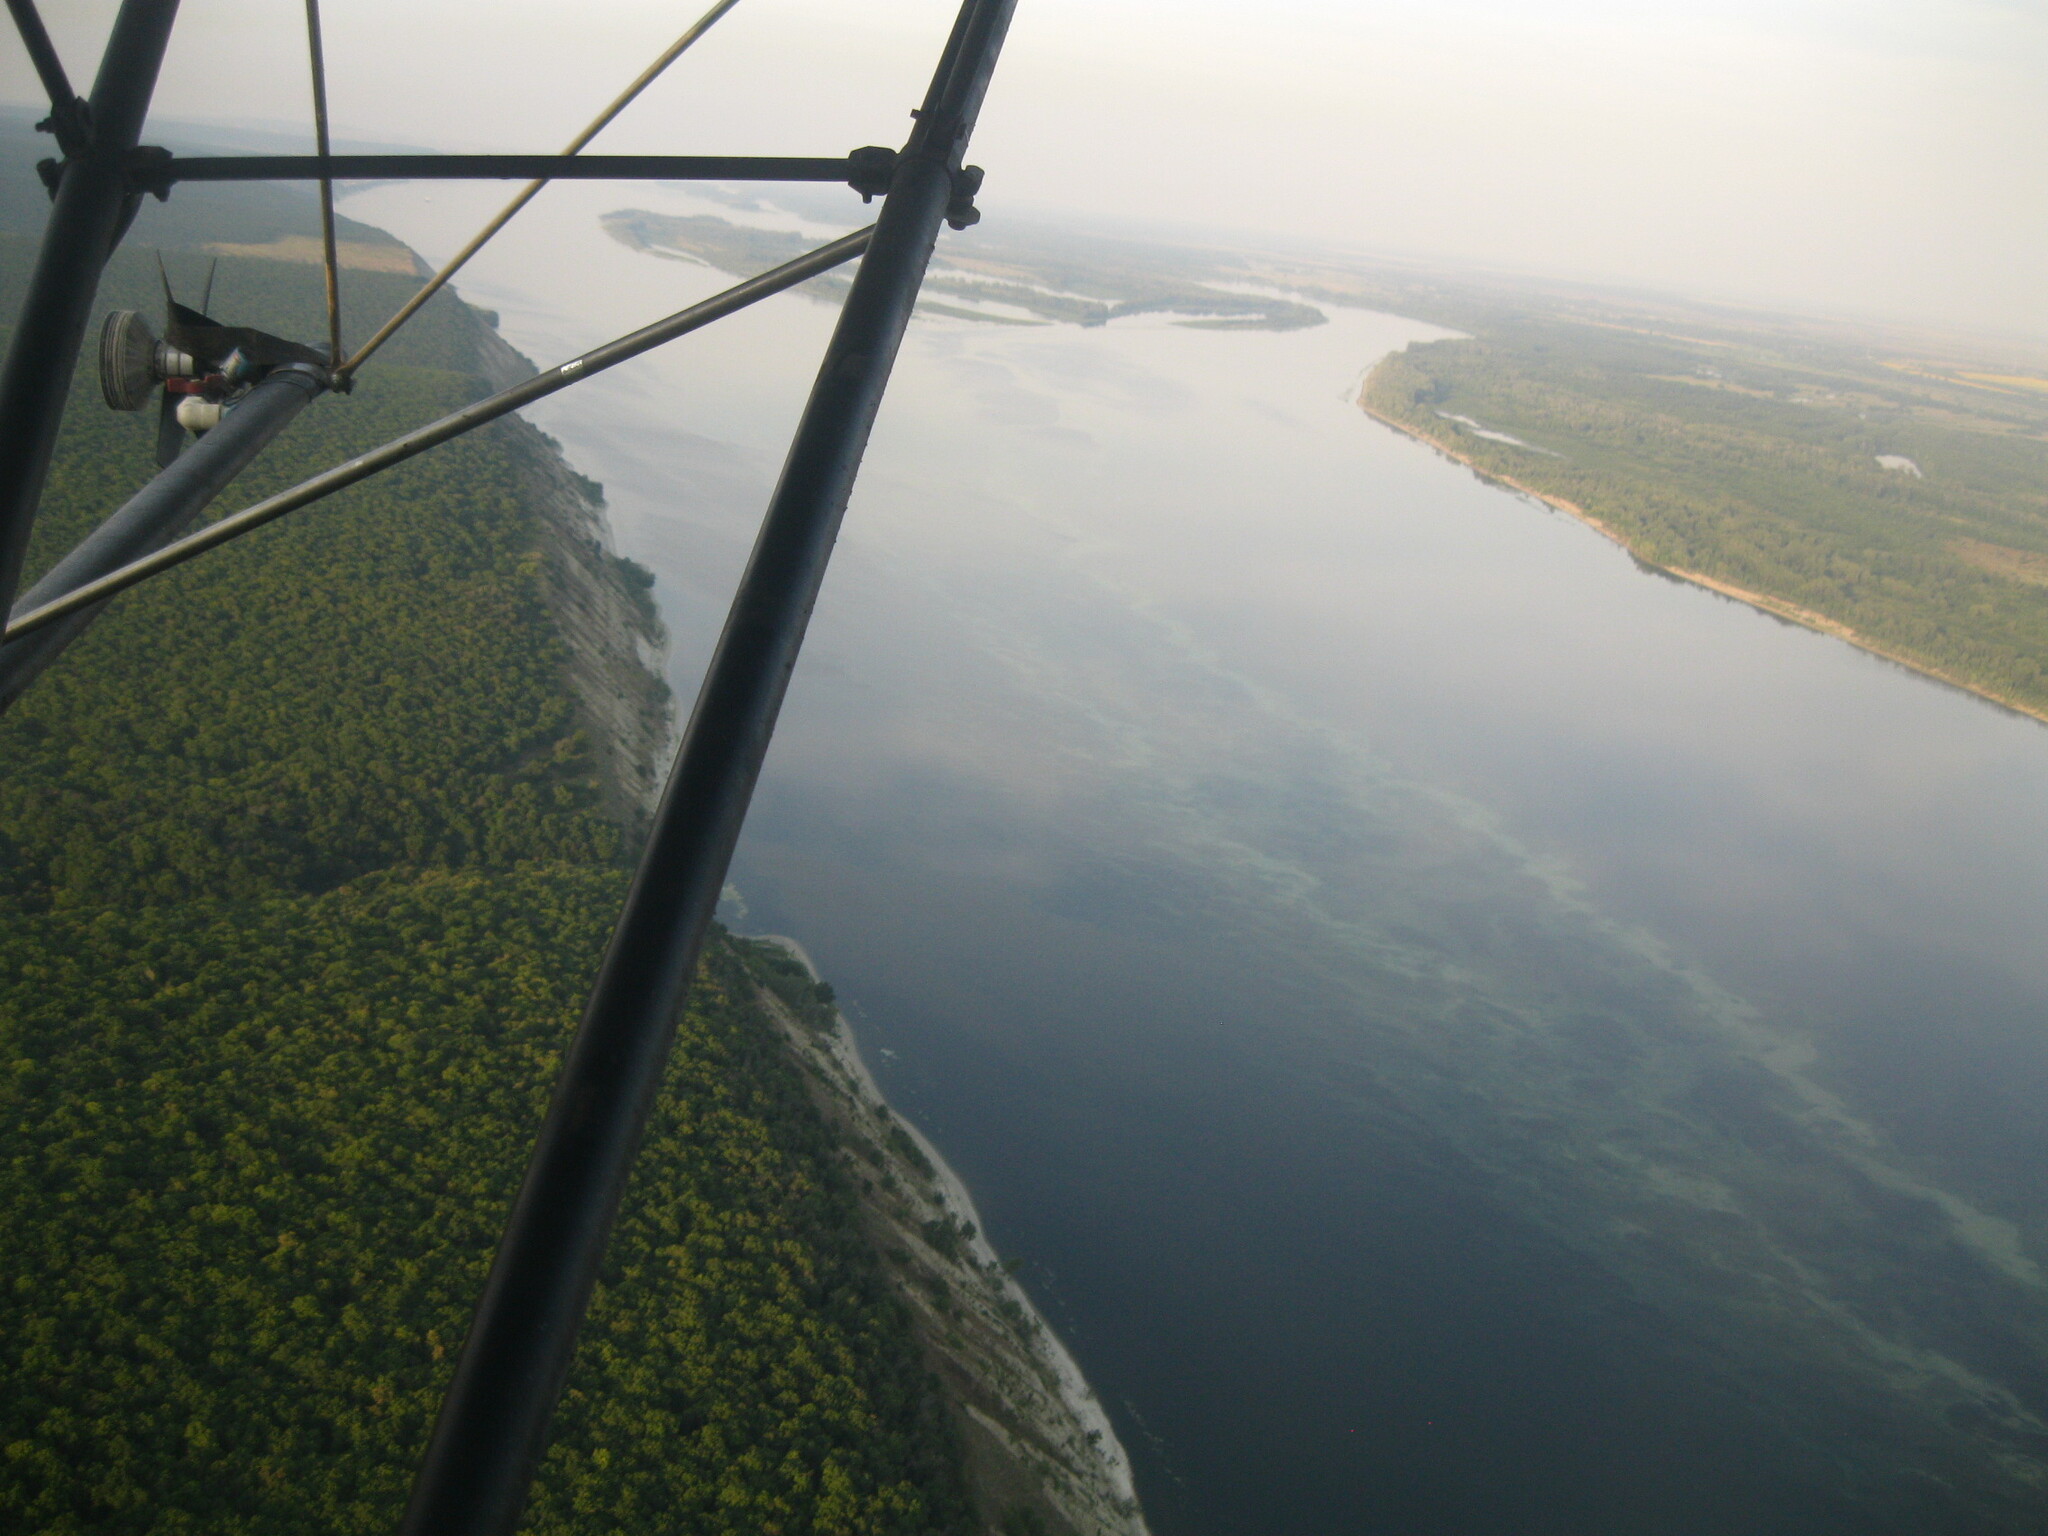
(1180, 760)
(1882, 157)
(1457, 1031)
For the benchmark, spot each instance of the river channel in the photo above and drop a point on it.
(1463, 1034)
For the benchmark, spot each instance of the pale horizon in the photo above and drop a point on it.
(1877, 161)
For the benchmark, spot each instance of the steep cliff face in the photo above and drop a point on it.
(344, 891)
(603, 604)
(1040, 1455)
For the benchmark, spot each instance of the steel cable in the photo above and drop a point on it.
(527, 194)
(324, 147)
(420, 439)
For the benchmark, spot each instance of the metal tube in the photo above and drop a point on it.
(493, 1422)
(420, 439)
(85, 221)
(176, 168)
(154, 514)
(66, 121)
(317, 59)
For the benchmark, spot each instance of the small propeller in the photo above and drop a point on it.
(128, 358)
(200, 364)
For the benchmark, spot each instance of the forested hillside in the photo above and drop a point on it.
(305, 867)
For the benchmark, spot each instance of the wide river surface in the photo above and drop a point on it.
(1464, 1035)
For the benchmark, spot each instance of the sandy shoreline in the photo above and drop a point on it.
(1083, 1465)
(1777, 608)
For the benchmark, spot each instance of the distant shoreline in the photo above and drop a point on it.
(1777, 608)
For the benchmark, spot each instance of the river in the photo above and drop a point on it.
(1463, 1034)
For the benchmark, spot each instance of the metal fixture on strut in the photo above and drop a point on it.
(232, 388)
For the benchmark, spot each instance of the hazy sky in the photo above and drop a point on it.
(1880, 155)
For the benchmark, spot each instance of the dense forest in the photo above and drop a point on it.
(1880, 485)
(305, 867)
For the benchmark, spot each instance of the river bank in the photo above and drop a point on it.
(1263, 853)
(1040, 1451)
(600, 603)
(1039, 1454)
(1777, 608)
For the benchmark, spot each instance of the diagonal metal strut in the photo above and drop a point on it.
(531, 190)
(493, 1423)
(55, 600)
(152, 517)
(316, 59)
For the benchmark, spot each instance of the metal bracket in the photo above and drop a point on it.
(874, 167)
(149, 170)
(70, 123)
(960, 210)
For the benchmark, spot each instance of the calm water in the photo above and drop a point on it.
(1465, 1036)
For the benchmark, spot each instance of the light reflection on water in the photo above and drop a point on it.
(1465, 1035)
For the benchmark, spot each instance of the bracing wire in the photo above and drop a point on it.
(527, 194)
(323, 147)
(420, 439)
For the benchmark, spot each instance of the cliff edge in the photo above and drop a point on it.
(1040, 1455)
(602, 603)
